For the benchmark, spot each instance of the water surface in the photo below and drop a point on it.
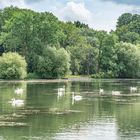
(48, 114)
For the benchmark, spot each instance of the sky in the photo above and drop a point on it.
(98, 14)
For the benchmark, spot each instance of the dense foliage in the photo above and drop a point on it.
(54, 63)
(53, 48)
(128, 60)
(12, 66)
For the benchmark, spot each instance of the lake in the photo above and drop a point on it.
(49, 111)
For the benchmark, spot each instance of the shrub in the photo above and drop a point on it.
(101, 75)
(32, 76)
(12, 66)
(98, 75)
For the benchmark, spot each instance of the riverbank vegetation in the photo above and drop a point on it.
(53, 48)
(12, 66)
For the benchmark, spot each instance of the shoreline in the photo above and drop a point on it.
(81, 79)
(48, 80)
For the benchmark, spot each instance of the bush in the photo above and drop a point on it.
(12, 66)
(98, 75)
(32, 76)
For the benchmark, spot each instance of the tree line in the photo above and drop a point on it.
(53, 48)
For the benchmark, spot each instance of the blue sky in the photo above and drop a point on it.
(99, 14)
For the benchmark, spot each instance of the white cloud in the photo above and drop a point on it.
(75, 11)
(98, 14)
(105, 14)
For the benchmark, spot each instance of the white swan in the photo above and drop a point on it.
(19, 91)
(116, 93)
(133, 89)
(61, 89)
(17, 102)
(101, 91)
(60, 94)
(76, 97)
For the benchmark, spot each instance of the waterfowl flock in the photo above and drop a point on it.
(17, 102)
(61, 92)
(118, 93)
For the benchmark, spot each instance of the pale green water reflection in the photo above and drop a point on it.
(46, 115)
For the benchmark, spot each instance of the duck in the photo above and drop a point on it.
(17, 102)
(19, 91)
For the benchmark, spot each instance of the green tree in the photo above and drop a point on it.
(83, 59)
(12, 66)
(124, 19)
(130, 37)
(72, 35)
(54, 63)
(128, 28)
(100, 35)
(128, 60)
(89, 62)
(29, 32)
(18, 33)
(78, 24)
(108, 56)
(48, 28)
(77, 54)
(32, 35)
